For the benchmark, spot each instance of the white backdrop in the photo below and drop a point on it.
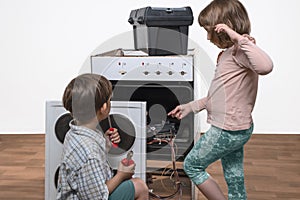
(43, 45)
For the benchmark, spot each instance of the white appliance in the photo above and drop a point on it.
(128, 117)
(163, 82)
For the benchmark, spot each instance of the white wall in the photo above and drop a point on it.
(43, 45)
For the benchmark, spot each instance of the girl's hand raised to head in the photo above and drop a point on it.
(234, 36)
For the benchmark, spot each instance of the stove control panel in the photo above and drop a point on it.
(153, 68)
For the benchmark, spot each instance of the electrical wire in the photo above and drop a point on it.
(175, 172)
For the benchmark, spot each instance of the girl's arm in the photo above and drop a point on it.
(183, 110)
(251, 56)
(198, 105)
(246, 53)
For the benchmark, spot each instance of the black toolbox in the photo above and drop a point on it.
(161, 31)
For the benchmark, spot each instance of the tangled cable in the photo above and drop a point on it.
(178, 183)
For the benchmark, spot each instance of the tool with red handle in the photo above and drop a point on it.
(114, 145)
(128, 160)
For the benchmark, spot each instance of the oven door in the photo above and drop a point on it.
(161, 98)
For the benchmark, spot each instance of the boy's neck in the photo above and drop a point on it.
(92, 124)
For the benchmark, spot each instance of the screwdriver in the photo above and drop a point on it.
(114, 145)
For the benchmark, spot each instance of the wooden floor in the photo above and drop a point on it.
(272, 167)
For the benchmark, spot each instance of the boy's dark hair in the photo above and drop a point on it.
(229, 12)
(85, 95)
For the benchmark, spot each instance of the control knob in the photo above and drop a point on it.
(122, 72)
(182, 73)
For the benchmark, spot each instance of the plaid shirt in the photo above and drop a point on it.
(84, 168)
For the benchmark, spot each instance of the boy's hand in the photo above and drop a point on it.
(113, 135)
(126, 172)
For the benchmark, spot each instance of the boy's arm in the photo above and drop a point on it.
(123, 173)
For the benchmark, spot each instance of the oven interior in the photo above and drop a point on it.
(161, 98)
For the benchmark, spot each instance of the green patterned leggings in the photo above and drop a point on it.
(221, 144)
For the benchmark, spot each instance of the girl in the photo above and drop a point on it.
(229, 102)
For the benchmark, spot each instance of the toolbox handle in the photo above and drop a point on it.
(130, 20)
(140, 20)
(169, 10)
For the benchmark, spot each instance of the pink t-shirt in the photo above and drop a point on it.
(232, 93)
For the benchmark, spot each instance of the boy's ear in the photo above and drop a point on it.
(103, 108)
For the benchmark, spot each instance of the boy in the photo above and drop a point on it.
(84, 170)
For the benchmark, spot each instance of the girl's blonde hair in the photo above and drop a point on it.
(229, 12)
